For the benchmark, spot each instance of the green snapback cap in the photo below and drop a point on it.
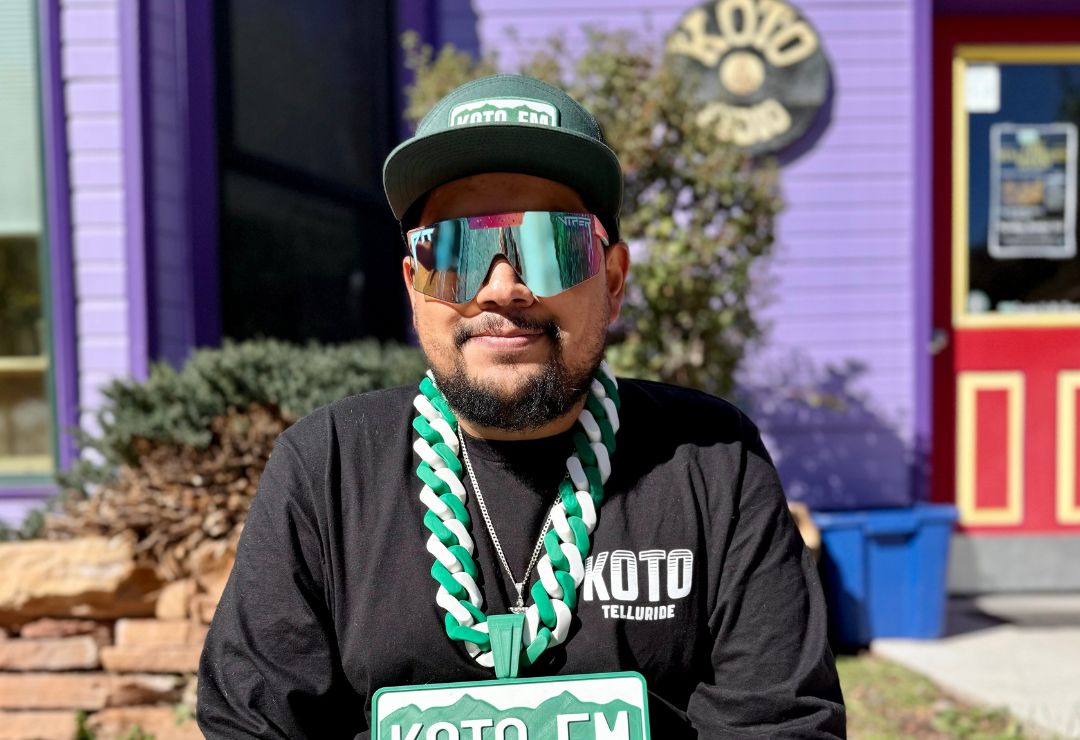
(507, 123)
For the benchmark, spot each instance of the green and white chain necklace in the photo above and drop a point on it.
(566, 545)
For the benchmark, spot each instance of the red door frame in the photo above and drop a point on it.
(950, 31)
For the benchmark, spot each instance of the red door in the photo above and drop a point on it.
(1007, 272)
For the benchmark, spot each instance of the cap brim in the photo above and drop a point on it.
(578, 161)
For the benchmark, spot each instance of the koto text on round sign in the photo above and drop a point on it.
(754, 68)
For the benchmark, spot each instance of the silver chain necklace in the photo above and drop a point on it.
(519, 586)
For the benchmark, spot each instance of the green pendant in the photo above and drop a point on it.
(505, 631)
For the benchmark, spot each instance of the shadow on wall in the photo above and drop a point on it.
(818, 126)
(832, 449)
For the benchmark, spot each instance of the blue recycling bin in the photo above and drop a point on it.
(884, 571)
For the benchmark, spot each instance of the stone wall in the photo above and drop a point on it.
(87, 638)
(90, 641)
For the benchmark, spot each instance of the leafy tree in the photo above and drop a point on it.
(698, 214)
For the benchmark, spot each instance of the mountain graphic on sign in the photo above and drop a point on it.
(465, 708)
(541, 721)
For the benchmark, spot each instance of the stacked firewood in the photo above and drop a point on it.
(176, 498)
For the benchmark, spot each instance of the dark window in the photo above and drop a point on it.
(309, 249)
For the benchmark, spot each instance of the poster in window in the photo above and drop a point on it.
(1032, 191)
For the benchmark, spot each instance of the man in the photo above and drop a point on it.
(638, 526)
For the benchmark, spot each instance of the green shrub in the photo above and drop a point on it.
(176, 407)
(180, 455)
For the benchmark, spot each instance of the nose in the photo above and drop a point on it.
(503, 287)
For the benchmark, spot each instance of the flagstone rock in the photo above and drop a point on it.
(137, 689)
(811, 535)
(173, 601)
(89, 691)
(162, 723)
(190, 697)
(211, 563)
(54, 725)
(203, 607)
(55, 654)
(89, 578)
(152, 658)
(151, 632)
(49, 627)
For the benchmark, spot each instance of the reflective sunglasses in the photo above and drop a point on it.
(550, 251)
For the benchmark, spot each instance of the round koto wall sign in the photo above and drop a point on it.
(755, 69)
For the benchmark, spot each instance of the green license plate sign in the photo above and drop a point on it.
(595, 706)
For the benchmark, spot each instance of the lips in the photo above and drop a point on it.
(507, 342)
(505, 331)
(508, 333)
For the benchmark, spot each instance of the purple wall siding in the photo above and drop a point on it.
(104, 282)
(923, 235)
(97, 170)
(99, 246)
(862, 300)
(103, 355)
(93, 78)
(92, 97)
(863, 136)
(94, 133)
(91, 61)
(870, 219)
(100, 317)
(98, 208)
(844, 192)
(876, 32)
(868, 331)
(90, 21)
(843, 281)
(91, 383)
(802, 277)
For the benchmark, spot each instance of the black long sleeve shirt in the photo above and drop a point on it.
(696, 578)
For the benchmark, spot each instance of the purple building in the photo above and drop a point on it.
(177, 172)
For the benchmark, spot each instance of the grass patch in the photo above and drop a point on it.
(885, 700)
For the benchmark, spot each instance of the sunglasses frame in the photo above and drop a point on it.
(598, 232)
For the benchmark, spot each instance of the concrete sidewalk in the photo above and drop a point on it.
(1021, 652)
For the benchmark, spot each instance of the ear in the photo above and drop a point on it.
(407, 277)
(617, 267)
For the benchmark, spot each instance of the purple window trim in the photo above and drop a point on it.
(1004, 7)
(198, 68)
(131, 79)
(923, 245)
(29, 491)
(65, 374)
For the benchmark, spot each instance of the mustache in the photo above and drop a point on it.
(490, 323)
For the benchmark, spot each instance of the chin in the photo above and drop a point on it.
(506, 377)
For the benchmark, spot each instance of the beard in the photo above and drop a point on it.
(537, 400)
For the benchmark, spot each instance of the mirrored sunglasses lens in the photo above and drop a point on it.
(550, 251)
